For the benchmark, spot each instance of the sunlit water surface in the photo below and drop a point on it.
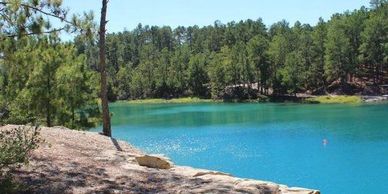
(275, 142)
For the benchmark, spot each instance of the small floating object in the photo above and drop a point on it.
(325, 142)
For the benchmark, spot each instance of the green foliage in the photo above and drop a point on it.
(21, 18)
(49, 83)
(291, 72)
(316, 70)
(338, 50)
(284, 59)
(16, 145)
(75, 91)
(240, 58)
(335, 100)
(177, 73)
(258, 57)
(124, 82)
(42, 79)
(217, 72)
(374, 47)
(378, 3)
(197, 77)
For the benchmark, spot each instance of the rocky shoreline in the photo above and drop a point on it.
(85, 162)
(375, 98)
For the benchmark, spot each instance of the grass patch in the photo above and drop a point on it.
(335, 99)
(187, 100)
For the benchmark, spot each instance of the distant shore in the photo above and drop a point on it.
(185, 100)
(325, 99)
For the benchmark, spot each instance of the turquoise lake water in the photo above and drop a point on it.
(281, 143)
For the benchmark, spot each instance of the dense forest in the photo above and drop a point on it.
(45, 79)
(347, 54)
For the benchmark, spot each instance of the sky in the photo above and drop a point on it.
(127, 14)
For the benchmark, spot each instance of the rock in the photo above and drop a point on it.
(297, 190)
(61, 127)
(253, 186)
(211, 173)
(150, 161)
(374, 98)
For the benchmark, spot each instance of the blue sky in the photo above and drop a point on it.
(128, 13)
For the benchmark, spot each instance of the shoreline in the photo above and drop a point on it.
(72, 161)
(302, 98)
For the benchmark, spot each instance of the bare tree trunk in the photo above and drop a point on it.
(381, 72)
(48, 102)
(104, 96)
(374, 75)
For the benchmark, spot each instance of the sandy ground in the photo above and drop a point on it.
(84, 162)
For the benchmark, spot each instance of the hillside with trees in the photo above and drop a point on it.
(57, 83)
(45, 80)
(346, 55)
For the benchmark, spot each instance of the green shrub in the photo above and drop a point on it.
(335, 99)
(16, 145)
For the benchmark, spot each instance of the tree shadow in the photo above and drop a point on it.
(45, 177)
(116, 144)
(48, 175)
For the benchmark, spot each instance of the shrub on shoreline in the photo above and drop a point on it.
(16, 145)
(340, 99)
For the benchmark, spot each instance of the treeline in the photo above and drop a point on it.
(45, 80)
(225, 60)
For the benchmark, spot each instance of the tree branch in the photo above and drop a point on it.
(35, 33)
(63, 19)
(61, 15)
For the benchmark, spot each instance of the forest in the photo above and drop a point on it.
(347, 54)
(57, 83)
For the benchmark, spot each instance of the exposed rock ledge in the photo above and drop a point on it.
(85, 162)
(375, 98)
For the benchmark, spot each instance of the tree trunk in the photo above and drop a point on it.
(48, 102)
(106, 130)
(381, 72)
(374, 75)
(72, 116)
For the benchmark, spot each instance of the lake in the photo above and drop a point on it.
(282, 143)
